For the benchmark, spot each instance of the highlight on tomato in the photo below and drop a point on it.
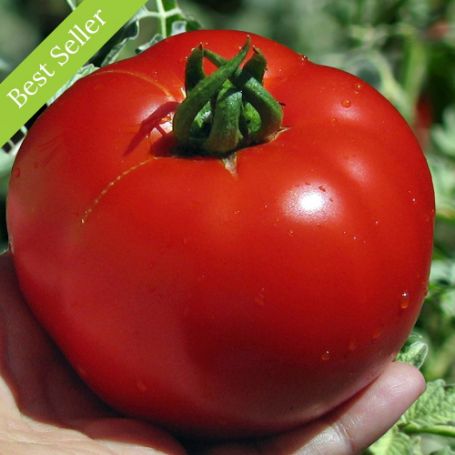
(222, 236)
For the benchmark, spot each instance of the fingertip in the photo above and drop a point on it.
(405, 377)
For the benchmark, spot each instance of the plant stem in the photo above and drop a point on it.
(439, 430)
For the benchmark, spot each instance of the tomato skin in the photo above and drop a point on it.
(218, 303)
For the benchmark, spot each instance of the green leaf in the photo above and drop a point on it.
(442, 285)
(164, 18)
(443, 172)
(444, 451)
(393, 442)
(448, 302)
(443, 135)
(119, 41)
(6, 163)
(414, 70)
(433, 412)
(161, 18)
(443, 271)
(417, 443)
(414, 351)
(4, 66)
(168, 20)
(73, 4)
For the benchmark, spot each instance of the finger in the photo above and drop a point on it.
(134, 436)
(352, 427)
(360, 422)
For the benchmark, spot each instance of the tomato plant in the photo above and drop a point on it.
(223, 294)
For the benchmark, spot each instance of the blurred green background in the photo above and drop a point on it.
(405, 48)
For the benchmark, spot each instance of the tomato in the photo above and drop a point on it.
(220, 301)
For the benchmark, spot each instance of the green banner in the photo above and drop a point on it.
(55, 61)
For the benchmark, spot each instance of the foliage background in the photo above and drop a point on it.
(405, 48)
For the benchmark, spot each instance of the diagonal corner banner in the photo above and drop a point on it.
(55, 61)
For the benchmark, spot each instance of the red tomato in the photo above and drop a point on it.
(221, 303)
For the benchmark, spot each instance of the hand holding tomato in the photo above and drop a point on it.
(239, 268)
(44, 404)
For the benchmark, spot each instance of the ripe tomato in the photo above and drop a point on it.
(223, 302)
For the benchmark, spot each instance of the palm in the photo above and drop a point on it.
(46, 409)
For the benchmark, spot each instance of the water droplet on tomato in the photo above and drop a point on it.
(322, 188)
(404, 303)
(346, 103)
(357, 88)
(413, 198)
(291, 232)
(325, 356)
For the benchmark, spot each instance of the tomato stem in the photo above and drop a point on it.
(227, 110)
(269, 109)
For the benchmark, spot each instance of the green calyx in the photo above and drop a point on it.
(227, 110)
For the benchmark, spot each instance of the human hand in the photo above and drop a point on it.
(46, 410)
